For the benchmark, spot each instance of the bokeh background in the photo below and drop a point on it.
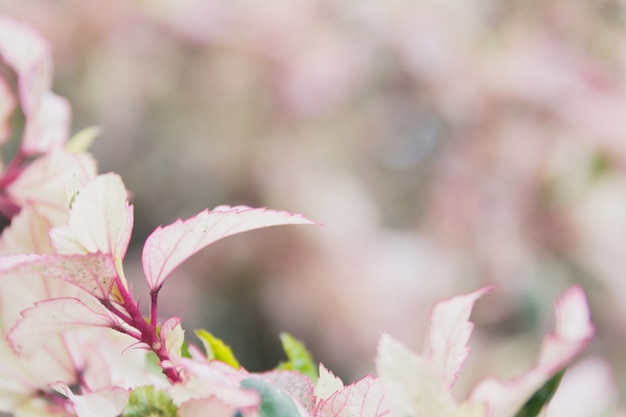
(444, 145)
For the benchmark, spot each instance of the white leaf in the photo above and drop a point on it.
(413, 386)
(100, 220)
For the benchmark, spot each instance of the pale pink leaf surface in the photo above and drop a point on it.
(27, 233)
(43, 183)
(49, 127)
(364, 398)
(167, 247)
(327, 384)
(204, 407)
(100, 220)
(574, 331)
(108, 402)
(94, 273)
(448, 333)
(50, 318)
(29, 55)
(413, 386)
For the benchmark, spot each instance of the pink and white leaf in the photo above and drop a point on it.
(50, 318)
(448, 333)
(573, 332)
(169, 246)
(100, 220)
(327, 384)
(108, 402)
(414, 387)
(94, 273)
(364, 398)
(27, 233)
(173, 335)
(203, 380)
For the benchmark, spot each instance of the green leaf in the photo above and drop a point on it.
(83, 140)
(146, 401)
(274, 401)
(299, 358)
(217, 349)
(538, 401)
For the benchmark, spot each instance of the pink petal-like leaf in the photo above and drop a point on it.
(574, 331)
(94, 273)
(167, 247)
(364, 398)
(43, 183)
(448, 333)
(50, 318)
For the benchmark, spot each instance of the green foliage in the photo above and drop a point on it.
(299, 358)
(217, 349)
(274, 401)
(146, 401)
(600, 165)
(538, 401)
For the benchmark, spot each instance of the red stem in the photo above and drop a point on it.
(148, 331)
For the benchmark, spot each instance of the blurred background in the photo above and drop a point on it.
(445, 145)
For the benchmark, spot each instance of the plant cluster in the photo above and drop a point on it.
(77, 343)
